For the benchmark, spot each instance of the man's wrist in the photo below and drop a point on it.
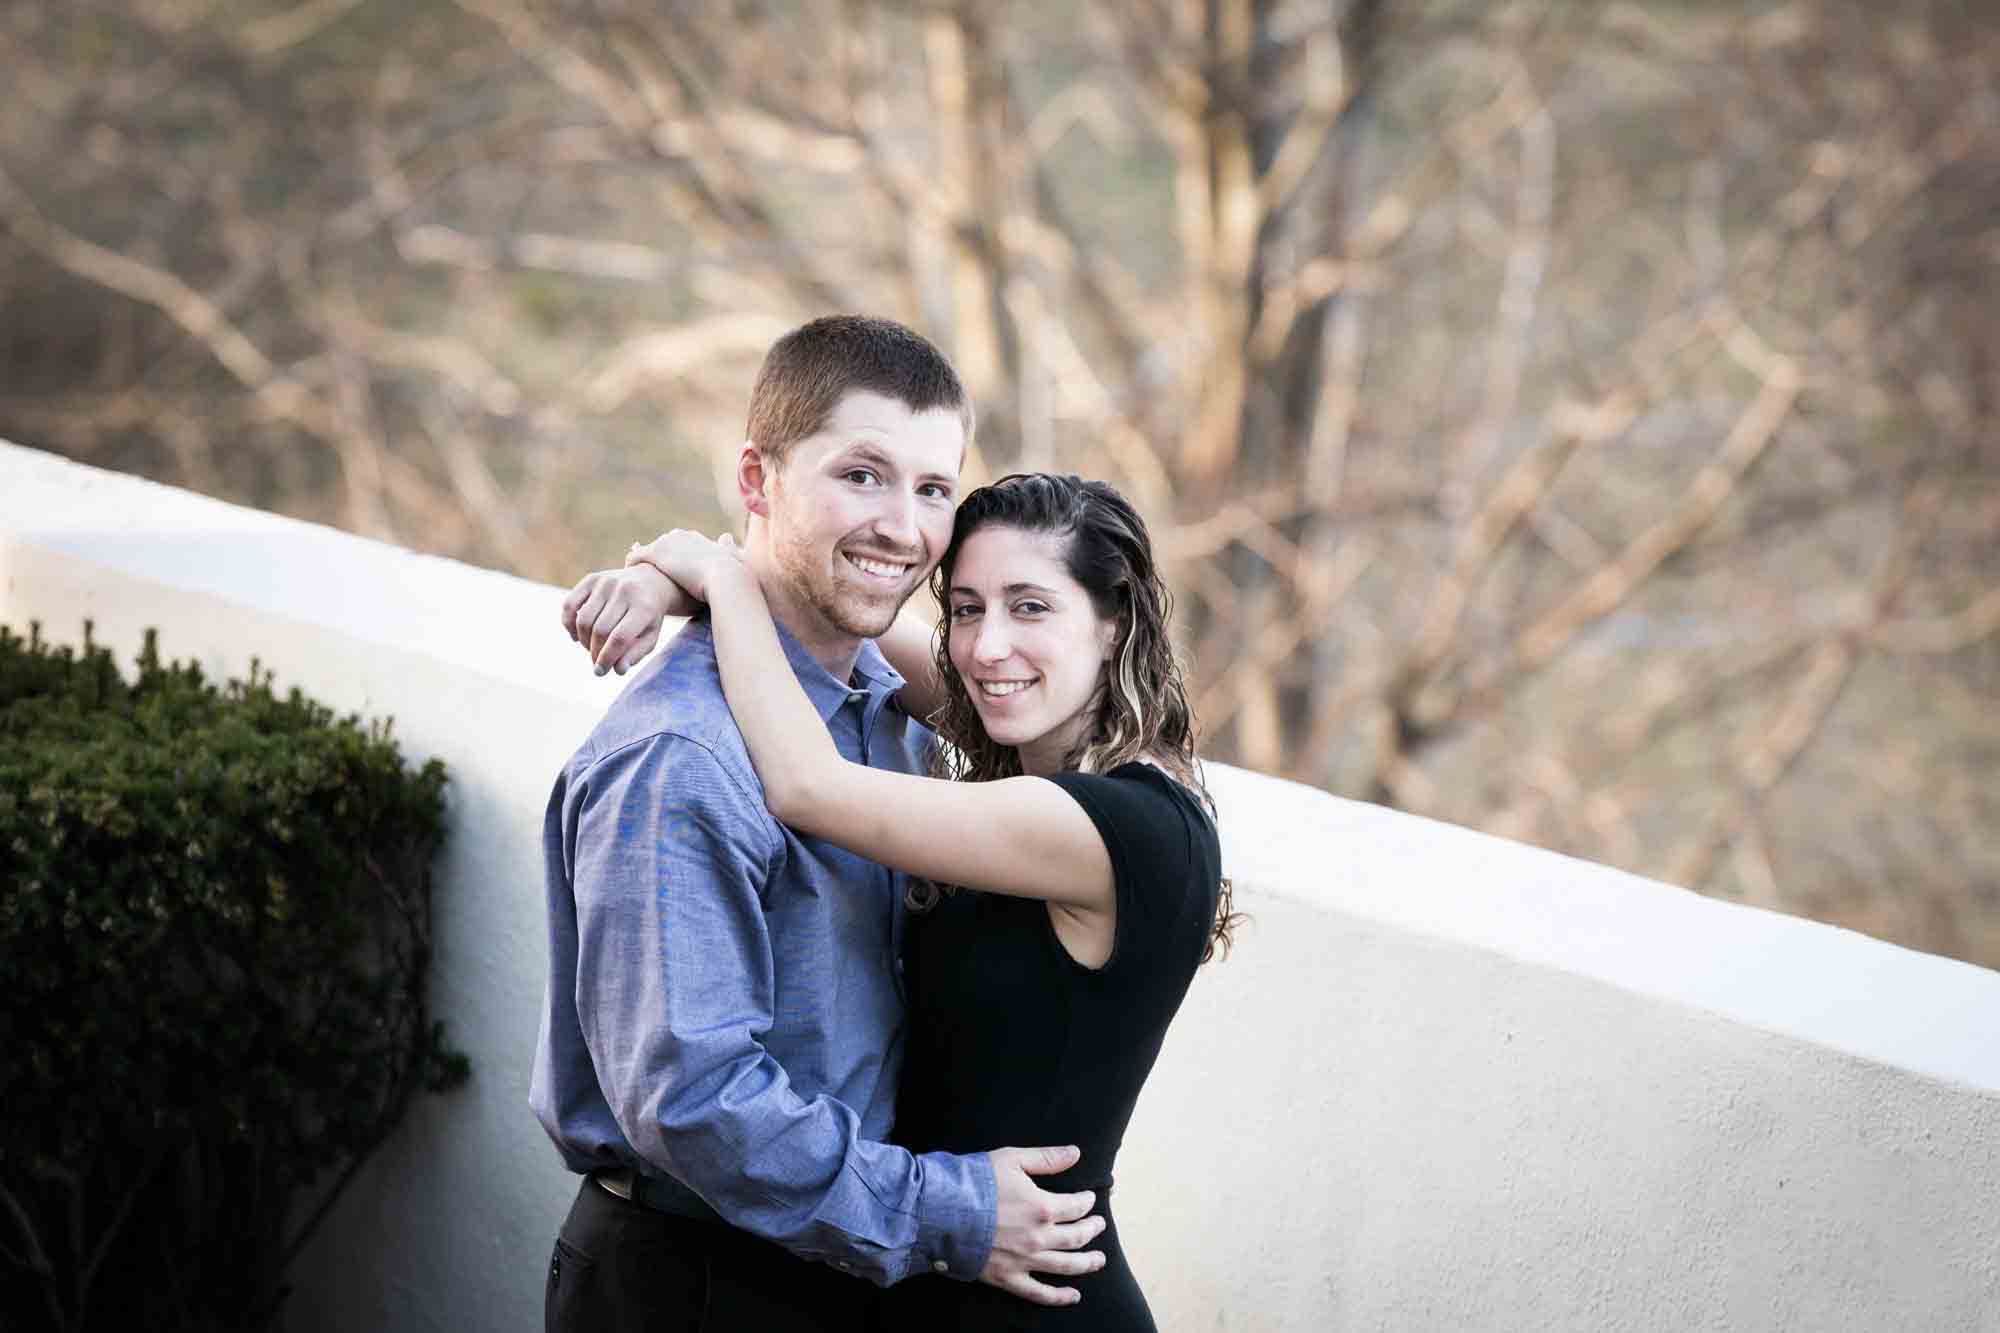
(957, 1214)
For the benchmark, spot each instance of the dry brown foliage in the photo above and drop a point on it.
(1574, 420)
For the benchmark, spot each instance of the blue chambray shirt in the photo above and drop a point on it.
(724, 1014)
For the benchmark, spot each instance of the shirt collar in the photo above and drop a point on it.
(874, 672)
(873, 676)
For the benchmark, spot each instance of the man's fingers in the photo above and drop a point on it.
(1074, 1235)
(1067, 1263)
(1048, 1161)
(1040, 1293)
(1070, 1207)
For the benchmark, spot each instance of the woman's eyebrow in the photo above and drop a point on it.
(1010, 590)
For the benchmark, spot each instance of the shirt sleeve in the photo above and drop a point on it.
(1154, 839)
(674, 990)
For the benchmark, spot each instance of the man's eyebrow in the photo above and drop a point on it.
(867, 451)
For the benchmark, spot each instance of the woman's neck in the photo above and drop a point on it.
(1045, 754)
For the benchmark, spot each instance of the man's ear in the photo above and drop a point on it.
(754, 475)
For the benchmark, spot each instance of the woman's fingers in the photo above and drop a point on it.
(631, 638)
(606, 646)
(640, 647)
(573, 601)
(591, 609)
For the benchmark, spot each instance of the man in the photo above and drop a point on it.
(722, 1033)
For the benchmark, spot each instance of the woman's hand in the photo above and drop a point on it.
(689, 559)
(616, 613)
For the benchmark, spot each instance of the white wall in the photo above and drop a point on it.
(1446, 1081)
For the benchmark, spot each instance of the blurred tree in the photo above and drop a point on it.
(1570, 419)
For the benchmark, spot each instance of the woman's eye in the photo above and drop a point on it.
(965, 612)
(1030, 608)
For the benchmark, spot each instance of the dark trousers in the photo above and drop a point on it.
(621, 1266)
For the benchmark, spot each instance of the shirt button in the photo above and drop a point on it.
(940, 1266)
(842, 1264)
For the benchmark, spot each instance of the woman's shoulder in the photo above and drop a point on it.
(1159, 778)
(1141, 792)
(1166, 857)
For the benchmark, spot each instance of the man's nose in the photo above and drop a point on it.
(896, 520)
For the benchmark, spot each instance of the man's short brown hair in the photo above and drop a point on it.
(809, 370)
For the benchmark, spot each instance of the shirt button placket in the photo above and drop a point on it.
(859, 698)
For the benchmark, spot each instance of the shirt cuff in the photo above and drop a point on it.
(957, 1213)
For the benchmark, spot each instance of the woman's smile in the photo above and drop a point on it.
(1026, 640)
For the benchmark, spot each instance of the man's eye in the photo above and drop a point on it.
(937, 492)
(860, 476)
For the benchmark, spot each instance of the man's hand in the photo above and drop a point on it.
(1039, 1232)
(615, 614)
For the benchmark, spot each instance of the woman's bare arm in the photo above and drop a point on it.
(909, 645)
(1019, 836)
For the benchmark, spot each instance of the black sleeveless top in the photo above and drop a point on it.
(1013, 1043)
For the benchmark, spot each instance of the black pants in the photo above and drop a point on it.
(621, 1266)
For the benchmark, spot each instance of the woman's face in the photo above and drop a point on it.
(1026, 640)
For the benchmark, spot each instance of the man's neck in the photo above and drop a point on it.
(832, 648)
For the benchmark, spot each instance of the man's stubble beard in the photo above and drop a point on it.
(815, 586)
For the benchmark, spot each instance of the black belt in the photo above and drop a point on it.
(658, 1193)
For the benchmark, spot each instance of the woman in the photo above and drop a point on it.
(1069, 873)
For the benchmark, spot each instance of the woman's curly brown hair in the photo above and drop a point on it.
(1142, 710)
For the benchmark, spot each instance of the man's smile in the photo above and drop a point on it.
(880, 571)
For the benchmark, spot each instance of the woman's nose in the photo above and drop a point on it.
(990, 644)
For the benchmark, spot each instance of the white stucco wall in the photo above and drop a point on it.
(1446, 1082)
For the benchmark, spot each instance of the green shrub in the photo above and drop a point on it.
(214, 940)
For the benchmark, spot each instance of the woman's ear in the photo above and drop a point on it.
(754, 475)
(1111, 633)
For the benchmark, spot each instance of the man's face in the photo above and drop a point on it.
(861, 510)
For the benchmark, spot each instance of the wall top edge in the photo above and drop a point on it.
(1375, 867)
